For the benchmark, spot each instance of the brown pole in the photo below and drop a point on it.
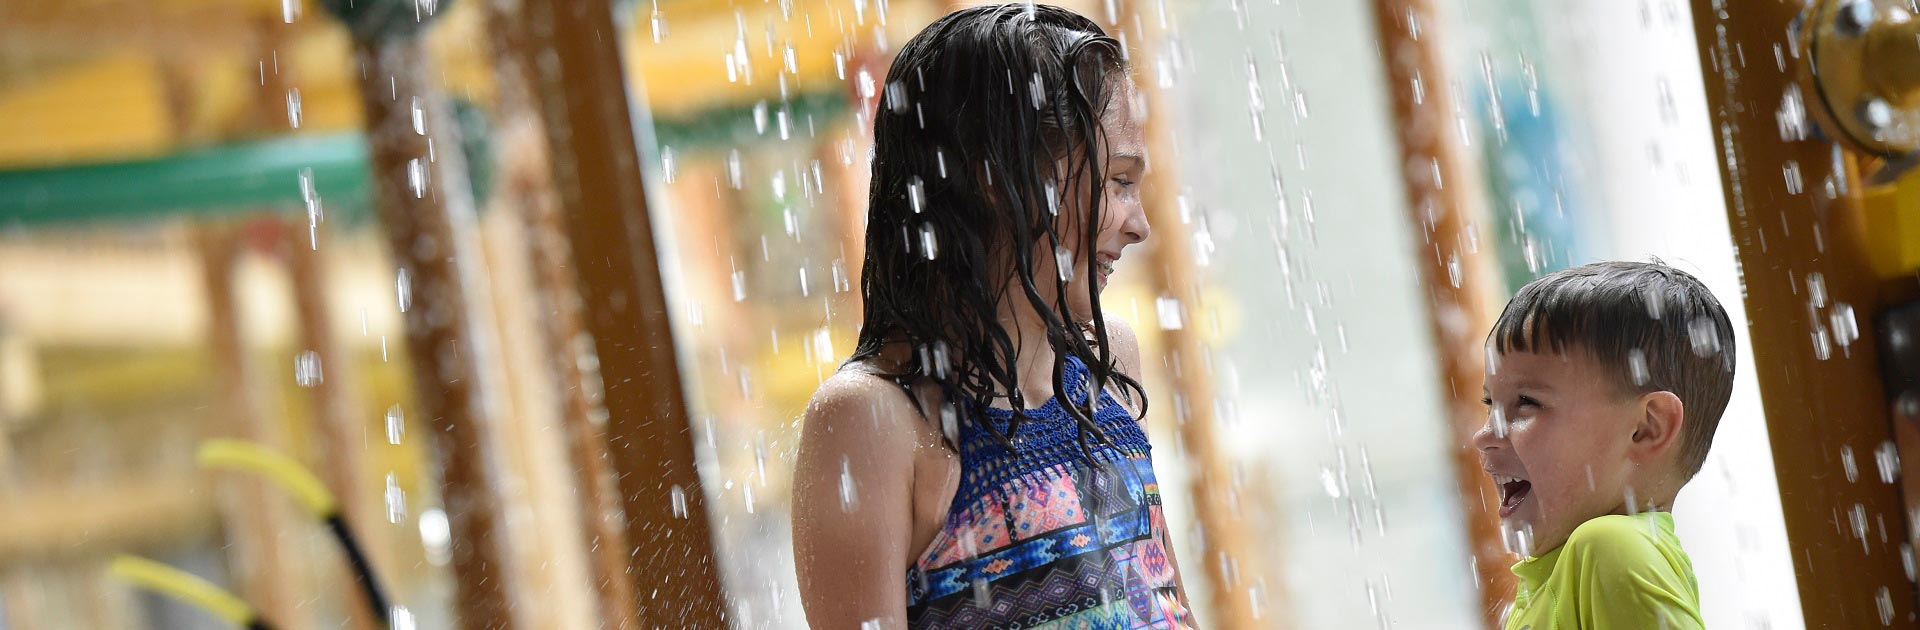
(597, 175)
(1462, 302)
(342, 437)
(1846, 536)
(22, 600)
(254, 513)
(427, 215)
(528, 187)
(1233, 567)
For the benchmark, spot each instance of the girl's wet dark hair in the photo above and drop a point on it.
(988, 119)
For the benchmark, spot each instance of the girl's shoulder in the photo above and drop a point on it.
(865, 402)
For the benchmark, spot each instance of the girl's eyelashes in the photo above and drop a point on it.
(1523, 401)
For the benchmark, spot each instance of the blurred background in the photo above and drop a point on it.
(538, 289)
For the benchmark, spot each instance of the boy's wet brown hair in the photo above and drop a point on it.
(1649, 325)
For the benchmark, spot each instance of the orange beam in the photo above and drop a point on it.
(597, 175)
(1462, 303)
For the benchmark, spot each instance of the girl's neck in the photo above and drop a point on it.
(1034, 359)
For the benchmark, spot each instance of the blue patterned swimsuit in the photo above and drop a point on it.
(1048, 535)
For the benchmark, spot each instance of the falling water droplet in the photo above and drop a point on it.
(396, 424)
(1817, 289)
(1063, 261)
(849, 492)
(1883, 600)
(667, 167)
(306, 369)
(780, 193)
(1669, 113)
(916, 194)
(1497, 418)
(1703, 336)
(396, 500)
(1846, 329)
(1168, 308)
(403, 289)
(1858, 517)
(735, 176)
(293, 108)
(1791, 171)
(739, 286)
(1518, 540)
(310, 197)
(1887, 458)
(1848, 464)
(823, 345)
(289, 10)
(929, 243)
(417, 178)
(1637, 365)
(436, 536)
(1329, 482)
(403, 619)
(841, 283)
(760, 117)
(679, 501)
(865, 82)
(419, 118)
(1453, 269)
(1792, 115)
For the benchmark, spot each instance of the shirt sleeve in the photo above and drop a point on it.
(1624, 580)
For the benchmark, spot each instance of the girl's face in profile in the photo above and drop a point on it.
(1123, 221)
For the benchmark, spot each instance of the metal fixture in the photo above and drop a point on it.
(1862, 64)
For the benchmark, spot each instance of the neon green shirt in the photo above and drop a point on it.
(1614, 572)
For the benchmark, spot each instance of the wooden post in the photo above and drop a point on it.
(597, 174)
(1459, 278)
(342, 437)
(528, 188)
(427, 214)
(1803, 262)
(255, 515)
(1232, 565)
(18, 599)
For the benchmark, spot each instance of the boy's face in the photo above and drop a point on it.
(1556, 442)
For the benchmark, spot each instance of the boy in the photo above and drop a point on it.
(1604, 385)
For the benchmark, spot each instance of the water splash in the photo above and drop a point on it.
(396, 424)
(396, 500)
(306, 369)
(403, 289)
(849, 490)
(293, 108)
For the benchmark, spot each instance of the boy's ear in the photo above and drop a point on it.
(1658, 429)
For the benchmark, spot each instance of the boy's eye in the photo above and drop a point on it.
(1123, 182)
(1487, 402)
(1527, 401)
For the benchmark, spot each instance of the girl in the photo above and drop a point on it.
(955, 472)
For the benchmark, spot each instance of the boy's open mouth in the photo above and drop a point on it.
(1513, 490)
